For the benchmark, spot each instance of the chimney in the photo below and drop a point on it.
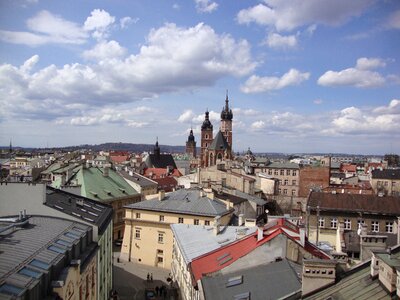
(260, 233)
(340, 238)
(241, 220)
(317, 274)
(216, 225)
(24, 214)
(161, 195)
(106, 171)
(302, 230)
(210, 195)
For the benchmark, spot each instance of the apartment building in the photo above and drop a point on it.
(386, 182)
(148, 238)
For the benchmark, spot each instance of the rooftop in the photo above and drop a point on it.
(88, 210)
(184, 201)
(283, 165)
(138, 179)
(219, 142)
(31, 245)
(387, 205)
(97, 186)
(195, 241)
(261, 282)
(386, 174)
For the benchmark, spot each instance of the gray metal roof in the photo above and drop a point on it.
(269, 281)
(19, 246)
(185, 201)
(88, 210)
(194, 241)
(139, 179)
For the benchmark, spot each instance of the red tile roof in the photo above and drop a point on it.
(155, 173)
(348, 168)
(224, 256)
(119, 158)
(167, 183)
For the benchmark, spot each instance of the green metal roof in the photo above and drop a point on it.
(98, 187)
(358, 285)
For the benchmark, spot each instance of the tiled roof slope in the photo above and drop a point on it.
(184, 202)
(160, 161)
(387, 205)
(386, 174)
(98, 187)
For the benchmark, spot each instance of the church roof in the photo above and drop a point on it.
(219, 142)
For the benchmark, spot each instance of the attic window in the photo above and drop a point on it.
(233, 281)
(93, 193)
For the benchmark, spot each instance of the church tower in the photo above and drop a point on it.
(226, 121)
(157, 150)
(191, 145)
(206, 139)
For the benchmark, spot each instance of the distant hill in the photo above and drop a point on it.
(138, 148)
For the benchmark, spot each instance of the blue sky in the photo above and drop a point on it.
(303, 76)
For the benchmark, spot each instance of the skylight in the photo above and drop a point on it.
(233, 281)
(39, 264)
(10, 289)
(29, 272)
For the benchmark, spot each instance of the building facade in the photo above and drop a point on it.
(191, 145)
(148, 238)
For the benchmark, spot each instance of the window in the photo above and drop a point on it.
(282, 172)
(294, 173)
(137, 215)
(287, 172)
(160, 259)
(360, 222)
(321, 222)
(347, 224)
(293, 192)
(285, 191)
(280, 191)
(286, 182)
(161, 218)
(161, 237)
(269, 172)
(161, 252)
(206, 222)
(294, 182)
(333, 222)
(374, 226)
(196, 221)
(137, 234)
(39, 264)
(276, 172)
(280, 181)
(389, 227)
(180, 220)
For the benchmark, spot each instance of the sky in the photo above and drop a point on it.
(302, 76)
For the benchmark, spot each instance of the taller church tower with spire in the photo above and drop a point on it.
(226, 121)
(206, 139)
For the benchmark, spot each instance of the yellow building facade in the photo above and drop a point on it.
(148, 238)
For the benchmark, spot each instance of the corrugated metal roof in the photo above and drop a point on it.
(185, 201)
(283, 165)
(195, 241)
(269, 281)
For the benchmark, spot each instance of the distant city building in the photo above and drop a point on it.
(191, 145)
(220, 147)
(386, 182)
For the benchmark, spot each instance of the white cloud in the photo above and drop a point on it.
(256, 84)
(353, 120)
(365, 63)
(46, 28)
(173, 59)
(105, 50)
(176, 6)
(361, 76)
(393, 21)
(258, 125)
(126, 21)
(288, 15)
(214, 117)
(99, 23)
(186, 116)
(277, 41)
(205, 6)
(318, 101)
(392, 108)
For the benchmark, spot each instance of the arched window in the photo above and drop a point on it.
(211, 159)
(219, 156)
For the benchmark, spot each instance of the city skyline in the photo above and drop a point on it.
(323, 80)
